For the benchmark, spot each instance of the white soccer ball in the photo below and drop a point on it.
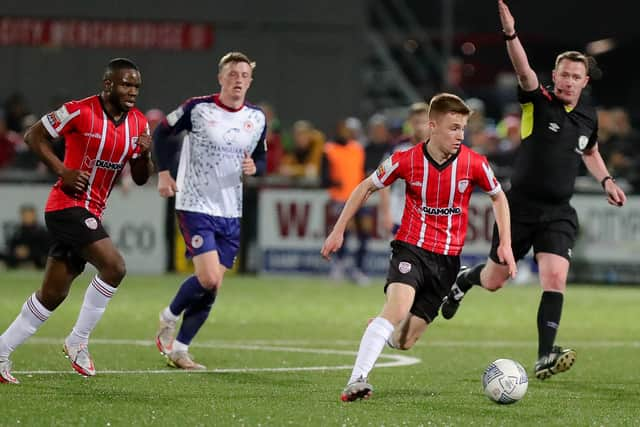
(505, 381)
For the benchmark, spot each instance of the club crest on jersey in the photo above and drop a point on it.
(404, 267)
(462, 185)
(91, 223)
(582, 142)
(248, 126)
(197, 241)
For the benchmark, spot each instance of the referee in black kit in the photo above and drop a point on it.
(559, 127)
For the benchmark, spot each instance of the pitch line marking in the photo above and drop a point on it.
(396, 360)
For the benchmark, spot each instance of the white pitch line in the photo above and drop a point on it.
(396, 360)
(271, 344)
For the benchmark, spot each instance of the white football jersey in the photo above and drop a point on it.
(209, 176)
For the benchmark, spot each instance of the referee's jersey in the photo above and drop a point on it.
(553, 140)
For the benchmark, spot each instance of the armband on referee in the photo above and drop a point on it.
(605, 179)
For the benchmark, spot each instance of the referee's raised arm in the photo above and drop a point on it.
(527, 78)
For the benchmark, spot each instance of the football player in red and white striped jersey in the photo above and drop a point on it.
(440, 175)
(102, 133)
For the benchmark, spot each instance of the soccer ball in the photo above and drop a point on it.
(505, 381)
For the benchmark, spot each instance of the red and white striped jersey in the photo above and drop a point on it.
(95, 143)
(437, 195)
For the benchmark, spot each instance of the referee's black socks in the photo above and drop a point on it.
(549, 313)
(470, 277)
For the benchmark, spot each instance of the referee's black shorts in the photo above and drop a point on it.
(72, 229)
(547, 229)
(430, 274)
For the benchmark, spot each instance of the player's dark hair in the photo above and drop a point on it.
(444, 103)
(117, 64)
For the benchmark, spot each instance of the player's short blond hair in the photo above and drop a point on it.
(235, 57)
(444, 103)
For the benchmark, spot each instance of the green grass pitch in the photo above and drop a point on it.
(279, 351)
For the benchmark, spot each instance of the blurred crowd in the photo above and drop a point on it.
(302, 155)
(297, 152)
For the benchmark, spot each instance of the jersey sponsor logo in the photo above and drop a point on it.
(197, 241)
(404, 267)
(174, 116)
(102, 164)
(91, 223)
(442, 211)
(554, 127)
(462, 185)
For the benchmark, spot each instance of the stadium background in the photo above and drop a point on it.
(321, 63)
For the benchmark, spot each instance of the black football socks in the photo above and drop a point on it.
(549, 313)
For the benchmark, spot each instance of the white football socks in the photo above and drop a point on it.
(168, 316)
(31, 317)
(373, 341)
(96, 298)
(179, 346)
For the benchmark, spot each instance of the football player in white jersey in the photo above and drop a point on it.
(225, 141)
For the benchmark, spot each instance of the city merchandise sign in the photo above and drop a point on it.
(16, 31)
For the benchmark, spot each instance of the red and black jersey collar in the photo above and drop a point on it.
(439, 166)
(109, 116)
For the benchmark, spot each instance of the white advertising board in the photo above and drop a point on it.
(135, 221)
(293, 224)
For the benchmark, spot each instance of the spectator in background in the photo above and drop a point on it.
(342, 171)
(378, 143)
(275, 146)
(9, 140)
(16, 109)
(354, 125)
(305, 158)
(29, 242)
(503, 156)
(625, 158)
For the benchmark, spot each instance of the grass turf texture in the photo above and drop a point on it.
(254, 315)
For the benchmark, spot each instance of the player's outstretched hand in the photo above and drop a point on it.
(615, 195)
(74, 180)
(506, 19)
(505, 255)
(167, 186)
(248, 165)
(333, 243)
